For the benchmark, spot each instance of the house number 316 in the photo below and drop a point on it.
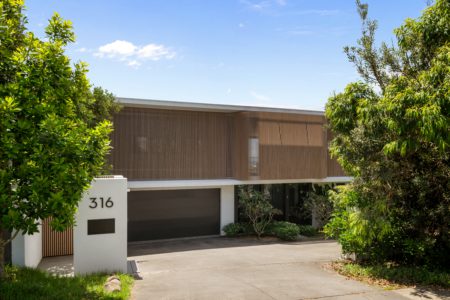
(95, 202)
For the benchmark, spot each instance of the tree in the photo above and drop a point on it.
(392, 135)
(54, 128)
(257, 208)
(319, 204)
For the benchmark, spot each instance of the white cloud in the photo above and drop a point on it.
(134, 63)
(155, 52)
(259, 96)
(117, 48)
(134, 55)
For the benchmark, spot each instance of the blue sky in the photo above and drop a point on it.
(279, 53)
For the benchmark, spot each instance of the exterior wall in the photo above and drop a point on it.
(241, 134)
(226, 206)
(152, 144)
(105, 252)
(291, 146)
(27, 249)
(164, 144)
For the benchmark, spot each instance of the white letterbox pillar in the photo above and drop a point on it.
(100, 234)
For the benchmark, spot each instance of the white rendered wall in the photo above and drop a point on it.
(27, 249)
(102, 252)
(18, 250)
(226, 206)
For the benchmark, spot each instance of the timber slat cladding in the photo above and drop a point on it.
(162, 144)
(56, 243)
(292, 146)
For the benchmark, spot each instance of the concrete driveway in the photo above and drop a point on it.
(223, 268)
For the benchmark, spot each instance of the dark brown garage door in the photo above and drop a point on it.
(172, 214)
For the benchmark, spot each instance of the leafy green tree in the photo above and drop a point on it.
(319, 204)
(54, 128)
(392, 134)
(257, 208)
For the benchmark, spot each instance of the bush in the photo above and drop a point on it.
(307, 230)
(257, 208)
(233, 229)
(285, 230)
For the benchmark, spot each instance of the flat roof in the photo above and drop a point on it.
(178, 105)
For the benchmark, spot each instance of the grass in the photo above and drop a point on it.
(28, 283)
(391, 276)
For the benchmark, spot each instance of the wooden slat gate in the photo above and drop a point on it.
(56, 243)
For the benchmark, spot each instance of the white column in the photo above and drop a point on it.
(102, 246)
(27, 249)
(18, 250)
(226, 206)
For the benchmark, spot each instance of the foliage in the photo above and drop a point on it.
(54, 128)
(257, 208)
(391, 133)
(319, 203)
(285, 230)
(27, 283)
(307, 230)
(300, 211)
(393, 276)
(233, 229)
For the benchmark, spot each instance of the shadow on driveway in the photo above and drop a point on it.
(204, 243)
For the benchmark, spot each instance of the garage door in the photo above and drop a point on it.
(172, 214)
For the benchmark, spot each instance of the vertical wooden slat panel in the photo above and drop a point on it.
(56, 243)
(180, 144)
(159, 144)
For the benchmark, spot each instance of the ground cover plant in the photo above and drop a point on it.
(27, 283)
(390, 276)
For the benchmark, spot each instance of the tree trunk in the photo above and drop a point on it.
(5, 239)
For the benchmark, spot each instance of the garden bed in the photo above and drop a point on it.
(391, 277)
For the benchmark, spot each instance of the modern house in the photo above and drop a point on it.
(185, 161)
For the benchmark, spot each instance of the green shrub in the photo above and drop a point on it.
(247, 229)
(233, 229)
(307, 230)
(284, 230)
(257, 208)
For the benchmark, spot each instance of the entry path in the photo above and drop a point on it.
(223, 268)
